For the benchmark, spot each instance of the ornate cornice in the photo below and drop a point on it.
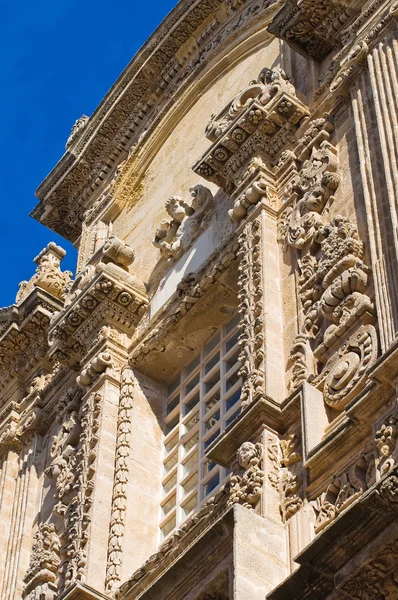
(186, 42)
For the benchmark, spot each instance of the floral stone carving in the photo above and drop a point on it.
(63, 453)
(257, 123)
(343, 491)
(44, 563)
(48, 275)
(248, 477)
(386, 442)
(313, 27)
(332, 278)
(176, 235)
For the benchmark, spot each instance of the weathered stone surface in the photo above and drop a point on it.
(207, 409)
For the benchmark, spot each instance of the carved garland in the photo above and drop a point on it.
(77, 516)
(119, 496)
(251, 323)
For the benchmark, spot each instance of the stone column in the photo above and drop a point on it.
(375, 108)
(260, 296)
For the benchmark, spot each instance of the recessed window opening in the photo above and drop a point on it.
(202, 401)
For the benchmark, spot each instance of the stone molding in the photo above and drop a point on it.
(103, 294)
(164, 59)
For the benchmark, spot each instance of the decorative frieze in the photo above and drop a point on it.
(313, 28)
(344, 490)
(104, 293)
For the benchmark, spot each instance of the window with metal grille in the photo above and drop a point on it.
(201, 402)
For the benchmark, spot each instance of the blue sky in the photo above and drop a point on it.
(57, 61)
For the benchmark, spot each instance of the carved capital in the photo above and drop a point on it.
(259, 120)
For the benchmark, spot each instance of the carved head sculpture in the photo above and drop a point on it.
(246, 453)
(202, 198)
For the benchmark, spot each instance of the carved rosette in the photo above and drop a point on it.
(258, 122)
(128, 387)
(251, 324)
(248, 477)
(346, 369)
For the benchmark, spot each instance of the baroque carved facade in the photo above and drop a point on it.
(207, 409)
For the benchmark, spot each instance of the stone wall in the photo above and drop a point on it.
(245, 160)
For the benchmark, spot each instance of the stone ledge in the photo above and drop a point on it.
(323, 561)
(264, 411)
(81, 591)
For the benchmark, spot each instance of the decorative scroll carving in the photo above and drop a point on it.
(251, 324)
(40, 578)
(48, 275)
(187, 222)
(257, 124)
(128, 385)
(300, 358)
(312, 27)
(332, 277)
(346, 369)
(97, 365)
(347, 65)
(386, 442)
(248, 478)
(251, 196)
(64, 453)
(77, 129)
(290, 476)
(77, 515)
(343, 491)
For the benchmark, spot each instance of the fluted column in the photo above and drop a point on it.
(375, 108)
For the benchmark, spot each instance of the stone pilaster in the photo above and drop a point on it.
(375, 113)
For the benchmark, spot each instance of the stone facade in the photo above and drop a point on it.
(245, 163)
